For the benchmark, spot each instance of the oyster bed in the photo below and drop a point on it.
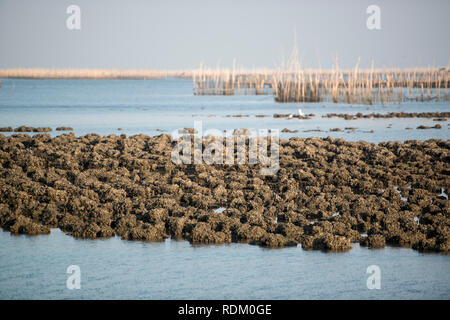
(327, 194)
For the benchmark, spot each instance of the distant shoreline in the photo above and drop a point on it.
(86, 74)
(143, 74)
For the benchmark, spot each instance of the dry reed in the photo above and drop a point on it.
(288, 83)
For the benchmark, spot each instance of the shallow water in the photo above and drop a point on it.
(35, 267)
(144, 106)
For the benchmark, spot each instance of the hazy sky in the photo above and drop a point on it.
(177, 34)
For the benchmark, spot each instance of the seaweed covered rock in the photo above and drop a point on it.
(373, 241)
(23, 225)
(272, 240)
(331, 242)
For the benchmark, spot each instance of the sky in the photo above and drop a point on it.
(178, 34)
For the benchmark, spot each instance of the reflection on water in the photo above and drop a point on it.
(35, 268)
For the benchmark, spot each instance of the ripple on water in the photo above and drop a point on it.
(35, 268)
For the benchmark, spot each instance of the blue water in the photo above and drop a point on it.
(144, 106)
(35, 267)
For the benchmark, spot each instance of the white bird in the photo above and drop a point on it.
(290, 116)
(300, 113)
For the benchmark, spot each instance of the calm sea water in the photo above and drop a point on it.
(35, 267)
(144, 106)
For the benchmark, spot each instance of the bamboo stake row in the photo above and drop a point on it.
(356, 86)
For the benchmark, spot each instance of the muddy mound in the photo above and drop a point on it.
(440, 115)
(291, 116)
(437, 126)
(326, 194)
(32, 129)
(286, 130)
